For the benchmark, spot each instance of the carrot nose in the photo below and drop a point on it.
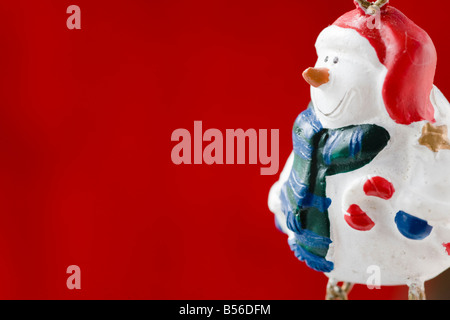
(317, 76)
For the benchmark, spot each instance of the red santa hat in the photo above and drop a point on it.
(408, 54)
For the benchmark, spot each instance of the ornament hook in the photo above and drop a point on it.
(372, 7)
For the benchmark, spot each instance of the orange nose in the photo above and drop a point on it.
(317, 76)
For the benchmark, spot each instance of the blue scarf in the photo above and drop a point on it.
(319, 153)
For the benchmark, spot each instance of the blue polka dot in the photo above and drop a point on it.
(412, 227)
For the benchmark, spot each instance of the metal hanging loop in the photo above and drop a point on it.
(372, 7)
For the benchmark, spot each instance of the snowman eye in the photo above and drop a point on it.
(336, 60)
(326, 59)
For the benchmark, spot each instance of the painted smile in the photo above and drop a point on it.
(343, 101)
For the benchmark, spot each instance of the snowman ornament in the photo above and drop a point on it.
(367, 186)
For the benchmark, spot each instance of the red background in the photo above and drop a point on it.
(86, 118)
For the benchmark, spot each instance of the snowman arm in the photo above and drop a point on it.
(274, 200)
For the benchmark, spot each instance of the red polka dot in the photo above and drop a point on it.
(358, 219)
(447, 247)
(379, 187)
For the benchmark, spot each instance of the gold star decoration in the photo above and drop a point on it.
(435, 138)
